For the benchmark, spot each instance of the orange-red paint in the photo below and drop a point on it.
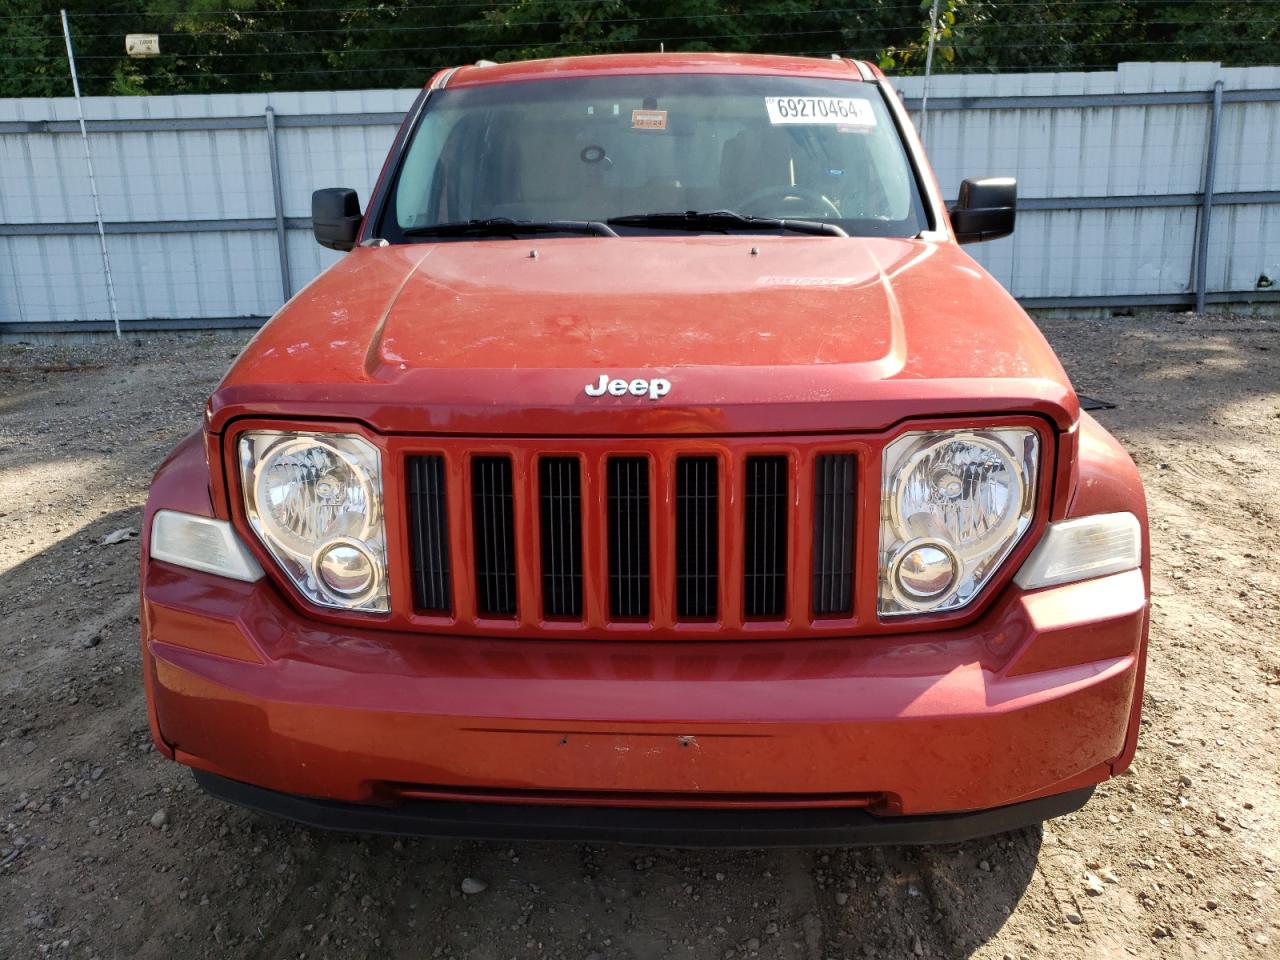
(811, 345)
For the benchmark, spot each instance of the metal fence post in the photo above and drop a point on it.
(282, 240)
(1206, 201)
(93, 183)
(928, 71)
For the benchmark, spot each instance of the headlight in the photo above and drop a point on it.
(315, 502)
(953, 504)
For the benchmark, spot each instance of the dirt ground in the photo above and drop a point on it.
(107, 850)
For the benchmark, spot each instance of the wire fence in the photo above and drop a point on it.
(205, 49)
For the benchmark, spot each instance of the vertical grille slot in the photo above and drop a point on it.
(493, 517)
(765, 541)
(697, 537)
(429, 534)
(833, 506)
(628, 491)
(560, 500)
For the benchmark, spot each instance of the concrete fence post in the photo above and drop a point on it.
(1200, 280)
(282, 240)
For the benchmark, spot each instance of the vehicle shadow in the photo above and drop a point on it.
(647, 903)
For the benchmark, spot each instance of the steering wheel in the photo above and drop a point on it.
(786, 193)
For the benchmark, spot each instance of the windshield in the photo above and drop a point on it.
(598, 148)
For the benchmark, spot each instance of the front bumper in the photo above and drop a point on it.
(643, 826)
(1036, 698)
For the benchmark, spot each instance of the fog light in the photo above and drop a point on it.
(346, 570)
(925, 570)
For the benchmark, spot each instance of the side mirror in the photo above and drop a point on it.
(985, 209)
(335, 217)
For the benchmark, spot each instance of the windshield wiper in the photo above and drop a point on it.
(507, 227)
(724, 220)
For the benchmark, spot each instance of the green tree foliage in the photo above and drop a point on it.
(212, 46)
(995, 35)
(32, 61)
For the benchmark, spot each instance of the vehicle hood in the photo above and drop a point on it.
(754, 334)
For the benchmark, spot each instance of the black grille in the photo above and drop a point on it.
(697, 536)
(495, 538)
(429, 533)
(629, 537)
(833, 534)
(765, 544)
(561, 518)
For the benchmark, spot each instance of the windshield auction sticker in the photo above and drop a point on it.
(648, 119)
(842, 111)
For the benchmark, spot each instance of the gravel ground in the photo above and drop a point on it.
(106, 850)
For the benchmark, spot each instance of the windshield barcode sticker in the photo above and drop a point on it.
(648, 119)
(844, 111)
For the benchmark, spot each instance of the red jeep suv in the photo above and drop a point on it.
(655, 467)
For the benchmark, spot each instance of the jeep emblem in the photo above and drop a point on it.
(653, 389)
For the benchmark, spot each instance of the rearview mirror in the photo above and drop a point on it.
(335, 217)
(985, 209)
